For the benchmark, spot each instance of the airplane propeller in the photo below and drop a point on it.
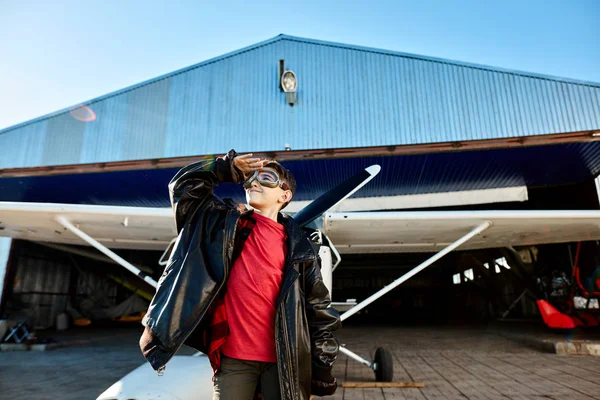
(336, 195)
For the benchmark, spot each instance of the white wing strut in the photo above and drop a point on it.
(65, 222)
(402, 279)
(415, 270)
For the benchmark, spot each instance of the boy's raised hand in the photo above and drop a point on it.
(246, 164)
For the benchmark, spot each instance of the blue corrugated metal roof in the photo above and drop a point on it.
(348, 96)
(400, 175)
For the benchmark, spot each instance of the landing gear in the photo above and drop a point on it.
(384, 365)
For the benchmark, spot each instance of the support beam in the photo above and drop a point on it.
(87, 254)
(415, 270)
(514, 303)
(355, 357)
(91, 241)
(5, 250)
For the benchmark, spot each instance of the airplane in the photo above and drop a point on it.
(438, 232)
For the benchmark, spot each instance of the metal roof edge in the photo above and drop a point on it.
(144, 83)
(439, 60)
(313, 154)
(301, 40)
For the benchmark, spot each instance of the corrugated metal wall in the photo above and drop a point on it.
(41, 287)
(347, 97)
(40, 291)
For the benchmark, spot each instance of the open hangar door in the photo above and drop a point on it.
(428, 293)
(48, 285)
(472, 286)
(475, 286)
(460, 288)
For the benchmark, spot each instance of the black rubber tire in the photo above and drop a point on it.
(385, 365)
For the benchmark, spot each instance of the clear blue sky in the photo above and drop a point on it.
(56, 54)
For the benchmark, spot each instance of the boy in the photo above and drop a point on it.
(244, 286)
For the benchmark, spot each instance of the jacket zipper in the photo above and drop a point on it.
(287, 350)
(283, 318)
(278, 351)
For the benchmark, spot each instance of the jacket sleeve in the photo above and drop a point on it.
(194, 183)
(322, 321)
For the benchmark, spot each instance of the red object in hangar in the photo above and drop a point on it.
(557, 320)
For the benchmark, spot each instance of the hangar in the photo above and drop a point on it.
(449, 136)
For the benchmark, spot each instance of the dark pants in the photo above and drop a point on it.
(237, 380)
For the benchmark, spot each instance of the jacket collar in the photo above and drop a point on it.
(300, 248)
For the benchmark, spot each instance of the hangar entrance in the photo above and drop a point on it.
(48, 284)
(46, 280)
(462, 287)
(483, 285)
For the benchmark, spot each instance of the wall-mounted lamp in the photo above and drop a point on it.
(288, 83)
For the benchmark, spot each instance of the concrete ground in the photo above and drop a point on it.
(452, 362)
(463, 363)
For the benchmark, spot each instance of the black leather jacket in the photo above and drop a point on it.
(198, 269)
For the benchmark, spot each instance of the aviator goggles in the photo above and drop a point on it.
(266, 178)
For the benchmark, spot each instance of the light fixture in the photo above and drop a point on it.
(595, 134)
(288, 82)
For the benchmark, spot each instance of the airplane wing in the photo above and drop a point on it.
(146, 228)
(431, 231)
(142, 228)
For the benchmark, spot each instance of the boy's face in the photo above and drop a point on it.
(263, 197)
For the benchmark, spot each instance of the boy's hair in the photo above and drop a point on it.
(284, 175)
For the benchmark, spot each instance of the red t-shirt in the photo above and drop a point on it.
(252, 292)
